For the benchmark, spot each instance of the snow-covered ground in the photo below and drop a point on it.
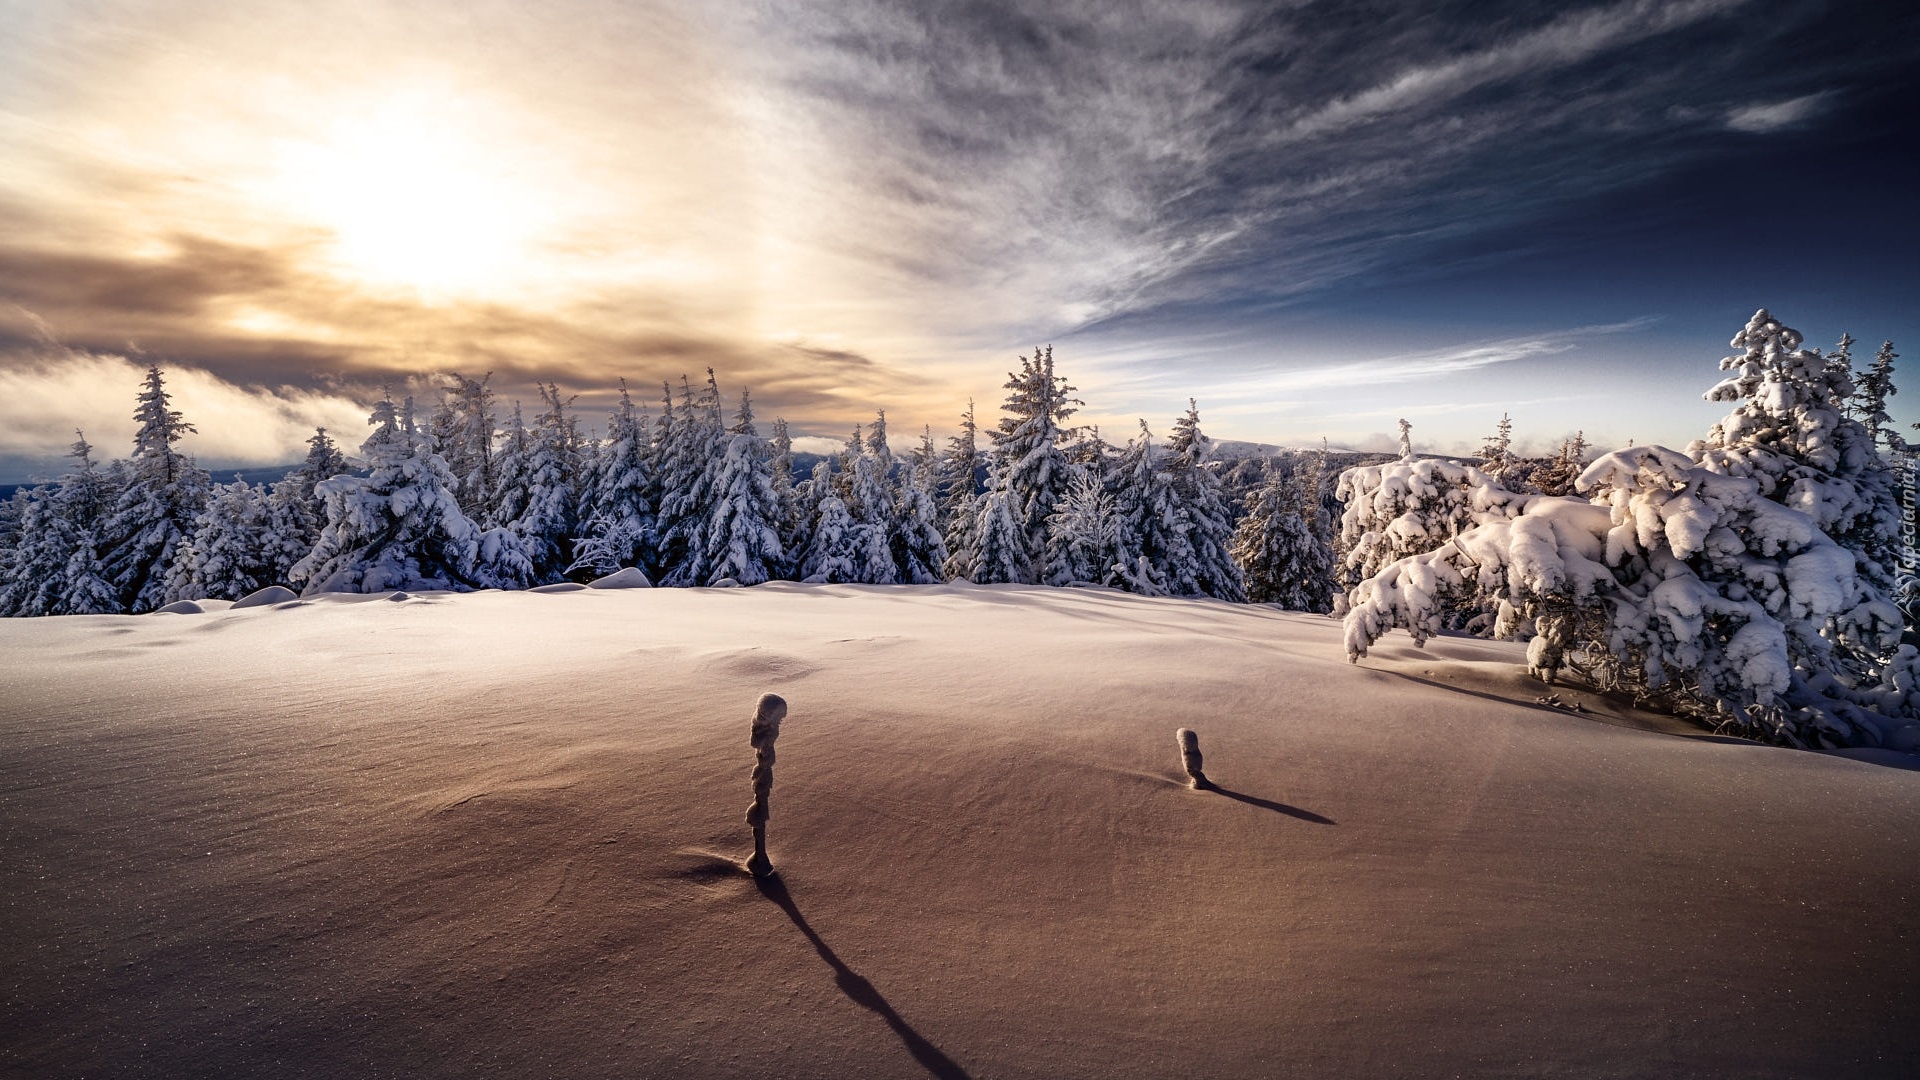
(499, 834)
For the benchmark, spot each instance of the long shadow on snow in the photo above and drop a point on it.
(1593, 717)
(1269, 804)
(860, 991)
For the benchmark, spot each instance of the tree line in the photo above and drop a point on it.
(470, 496)
(1756, 580)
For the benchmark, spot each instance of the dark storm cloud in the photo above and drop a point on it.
(177, 285)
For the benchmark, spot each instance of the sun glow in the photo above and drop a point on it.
(414, 197)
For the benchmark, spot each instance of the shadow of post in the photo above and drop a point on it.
(1269, 804)
(860, 991)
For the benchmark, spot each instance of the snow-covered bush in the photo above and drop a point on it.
(1705, 580)
(1673, 581)
(1404, 508)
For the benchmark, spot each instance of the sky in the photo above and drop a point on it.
(1313, 218)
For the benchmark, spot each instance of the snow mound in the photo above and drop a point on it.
(491, 832)
(181, 607)
(267, 597)
(559, 587)
(630, 578)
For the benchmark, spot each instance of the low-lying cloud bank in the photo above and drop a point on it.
(48, 392)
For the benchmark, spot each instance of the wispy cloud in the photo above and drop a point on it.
(1572, 39)
(1773, 116)
(841, 205)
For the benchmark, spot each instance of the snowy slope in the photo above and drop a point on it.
(498, 834)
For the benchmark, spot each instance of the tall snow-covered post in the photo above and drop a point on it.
(1190, 759)
(766, 728)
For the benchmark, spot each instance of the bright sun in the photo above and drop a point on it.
(414, 199)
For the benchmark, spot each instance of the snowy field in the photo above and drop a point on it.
(499, 834)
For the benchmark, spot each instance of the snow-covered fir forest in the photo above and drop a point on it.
(1754, 580)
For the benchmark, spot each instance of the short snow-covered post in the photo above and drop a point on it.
(766, 728)
(1190, 759)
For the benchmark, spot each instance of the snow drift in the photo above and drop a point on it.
(500, 834)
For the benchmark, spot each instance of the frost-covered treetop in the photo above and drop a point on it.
(1792, 432)
(160, 426)
(1792, 401)
(1663, 494)
(1402, 507)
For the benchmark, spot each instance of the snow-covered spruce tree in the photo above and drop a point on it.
(550, 473)
(743, 415)
(1869, 405)
(510, 495)
(36, 561)
(1091, 455)
(298, 512)
(619, 515)
(689, 465)
(295, 518)
(1028, 447)
(1560, 474)
(55, 567)
(871, 503)
(1680, 584)
(156, 509)
(833, 554)
(86, 496)
(796, 521)
(1282, 557)
(1153, 519)
(958, 501)
(1209, 569)
(1498, 460)
(231, 551)
(919, 545)
(1001, 555)
(1790, 432)
(399, 527)
(743, 536)
(877, 447)
(463, 435)
(1084, 532)
(10, 513)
